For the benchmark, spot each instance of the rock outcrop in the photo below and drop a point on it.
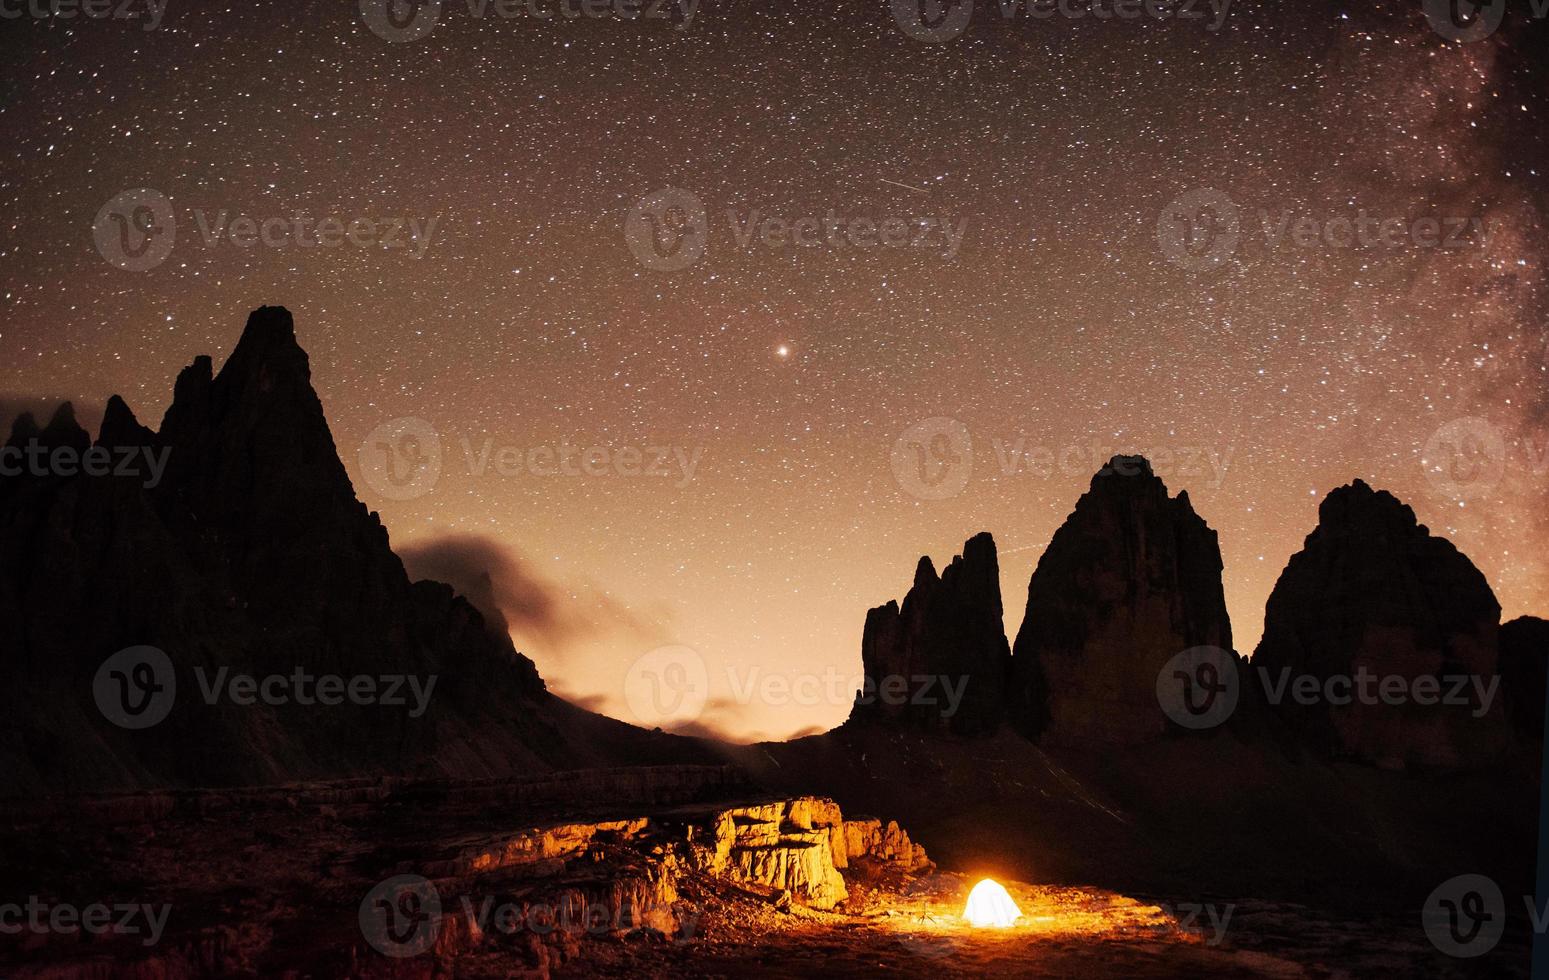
(939, 661)
(1132, 578)
(1373, 599)
(232, 541)
(792, 848)
(1524, 663)
(867, 838)
(797, 846)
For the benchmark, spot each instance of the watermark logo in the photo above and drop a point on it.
(1206, 920)
(135, 231)
(135, 688)
(401, 459)
(397, 21)
(96, 919)
(1204, 228)
(668, 230)
(938, 21)
(303, 687)
(97, 462)
(1199, 230)
(302, 231)
(934, 459)
(1196, 464)
(1464, 21)
(668, 685)
(401, 916)
(1198, 688)
(933, 21)
(90, 9)
(938, 232)
(1465, 458)
(1465, 916)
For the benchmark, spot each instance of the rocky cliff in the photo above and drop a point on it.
(1372, 604)
(1132, 578)
(231, 543)
(939, 661)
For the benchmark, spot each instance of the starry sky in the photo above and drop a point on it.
(821, 412)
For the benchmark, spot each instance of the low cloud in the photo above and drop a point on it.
(546, 617)
(718, 721)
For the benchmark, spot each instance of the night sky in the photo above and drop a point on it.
(808, 400)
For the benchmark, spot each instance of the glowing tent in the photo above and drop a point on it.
(990, 905)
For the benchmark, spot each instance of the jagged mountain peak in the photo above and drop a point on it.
(944, 648)
(1132, 578)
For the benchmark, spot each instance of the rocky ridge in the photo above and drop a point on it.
(235, 542)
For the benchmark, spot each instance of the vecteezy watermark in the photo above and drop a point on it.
(938, 232)
(136, 688)
(140, 463)
(751, 684)
(1465, 21)
(1465, 916)
(403, 459)
(151, 10)
(1207, 920)
(933, 459)
(938, 21)
(1364, 687)
(303, 687)
(329, 231)
(403, 916)
(1467, 458)
(669, 230)
(1204, 228)
(1196, 464)
(1200, 229)
(1199, 688)
(667, 685)
(397, 21)
(671, 685)
(137, 230)
(96, 919)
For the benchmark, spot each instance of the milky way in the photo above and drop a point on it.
(902, 290)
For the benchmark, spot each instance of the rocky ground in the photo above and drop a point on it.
(913, 928)
(683, 872)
